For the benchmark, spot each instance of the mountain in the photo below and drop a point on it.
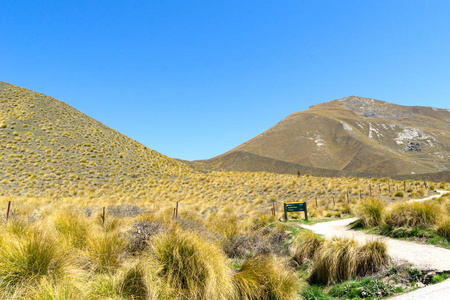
(47, 143)
(352, 135)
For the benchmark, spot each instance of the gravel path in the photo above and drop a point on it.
(421, 255)
(436, 292)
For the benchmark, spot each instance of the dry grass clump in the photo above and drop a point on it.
(47, 290)
(28, 258)
(305, 245)
(444, 229)
(191, 267)
(73, 226)
(371, 211)
(266, 277)
(340, 259)
(415, 214)
(104, 250)
(373, 255)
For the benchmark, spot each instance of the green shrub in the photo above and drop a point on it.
(314, 293)
(368, 288)
(399, 194)
(439, 278)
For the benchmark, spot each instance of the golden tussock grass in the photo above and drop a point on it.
(305, 245)
(342, 259)
(266, 277)
(192, 267)
(371, 211)
(414, 214)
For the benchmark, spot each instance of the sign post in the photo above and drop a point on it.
(295, 206)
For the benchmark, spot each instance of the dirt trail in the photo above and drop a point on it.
(420, 255)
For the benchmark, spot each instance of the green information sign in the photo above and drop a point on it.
(295, 206)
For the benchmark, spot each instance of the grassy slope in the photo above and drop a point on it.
(46, 143)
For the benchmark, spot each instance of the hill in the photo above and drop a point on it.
(47, 143)
(353, 135)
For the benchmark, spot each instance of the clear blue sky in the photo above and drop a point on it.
(193, 79)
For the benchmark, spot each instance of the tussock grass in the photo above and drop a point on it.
(104, 249)
(191, 267)
(372, 255)
(415, 214)
(340, 259)
(133, 283)
(266, 277)
(305, 245)
(26, 259)
(371, 211)
(444, 229)
(47, 290)
(73, 226)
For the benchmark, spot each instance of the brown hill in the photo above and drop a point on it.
(46, 143)
(354, 135)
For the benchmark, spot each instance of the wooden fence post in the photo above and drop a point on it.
(316, 201)
(348, 199)
(104, 215)
(7, 211)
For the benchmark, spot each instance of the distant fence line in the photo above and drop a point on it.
(127, 210)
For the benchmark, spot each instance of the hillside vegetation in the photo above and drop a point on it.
(45, 143)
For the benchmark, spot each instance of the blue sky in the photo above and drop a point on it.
(193, 79)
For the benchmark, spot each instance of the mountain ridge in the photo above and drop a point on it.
(359, 135)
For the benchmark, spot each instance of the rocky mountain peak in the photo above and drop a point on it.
(371, 108)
